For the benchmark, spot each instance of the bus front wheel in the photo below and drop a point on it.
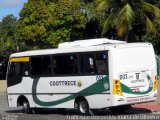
(83, 107)
(26, 108)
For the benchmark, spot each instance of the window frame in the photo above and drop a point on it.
(95, 52)
(65, 54)
(41, 75)
(78, 54)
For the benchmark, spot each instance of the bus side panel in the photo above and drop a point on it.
(12, 100)
(66, 91)
(53, 101)
(99, 101)
(60, 92)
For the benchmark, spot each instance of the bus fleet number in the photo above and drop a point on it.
(123, 76)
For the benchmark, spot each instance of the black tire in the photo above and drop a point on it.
(61, 109)
(26, 107)
(83, 107)
(120, 109)
(35, 110)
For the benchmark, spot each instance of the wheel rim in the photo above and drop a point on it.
(83, 107)
(34, 110)
(25, 106)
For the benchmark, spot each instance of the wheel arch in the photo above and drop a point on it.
(77, 99)
(21, 99)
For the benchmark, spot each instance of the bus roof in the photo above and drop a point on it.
(64, 49)
(89, 42)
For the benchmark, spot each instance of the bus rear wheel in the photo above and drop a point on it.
(83, 107)
(35, 110)
(26, 108)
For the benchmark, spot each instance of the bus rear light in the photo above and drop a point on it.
(155, 84)
(116, 81)
(117, 88)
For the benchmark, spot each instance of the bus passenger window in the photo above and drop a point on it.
(101, 63)
(65, 64)
(41, 65)
(87, 63)
(46, 65)
(36, 65)
(94, 63)
(73, 64)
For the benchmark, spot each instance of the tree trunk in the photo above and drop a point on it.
(130, 36)
(126, 36)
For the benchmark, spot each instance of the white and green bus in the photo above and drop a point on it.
(84, 74)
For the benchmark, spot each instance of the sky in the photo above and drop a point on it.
(10, 7)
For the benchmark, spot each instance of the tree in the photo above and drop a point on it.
(154, 39)
(46, 23)
(35, 23)
(7, 35)
(7, 41)
(125, 15)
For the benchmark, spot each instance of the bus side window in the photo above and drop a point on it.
(41, 65)
(59, 64)
(101, 63)
(16, 69)
(36, 65)
(65, 64)
(94, 63)
(73, 64)
(88, 63)
(26, 69)
(11, 69)
(46, 65)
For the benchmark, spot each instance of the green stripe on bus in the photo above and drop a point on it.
(126, 89)
(95, 88)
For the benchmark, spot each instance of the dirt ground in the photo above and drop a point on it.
(3, 86)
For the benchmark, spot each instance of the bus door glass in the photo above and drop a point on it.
(17, 69)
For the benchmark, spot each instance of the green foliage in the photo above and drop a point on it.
(35, 21)
(154, 39)
(44, 24)
(7, 35)
(124, 15)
